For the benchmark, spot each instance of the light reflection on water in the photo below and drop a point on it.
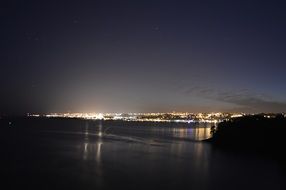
(97, 136)
(147, 151)
(194, 132)
(101, 155)
(92, 150)
(200, 133)
(169, 153)
(149, 135)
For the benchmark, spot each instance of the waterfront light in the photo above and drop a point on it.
(177, 117)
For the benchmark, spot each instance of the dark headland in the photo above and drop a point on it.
(255, 134)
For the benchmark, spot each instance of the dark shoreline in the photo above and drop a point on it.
(126, 122)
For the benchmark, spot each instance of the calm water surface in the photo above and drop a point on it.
(79, 154)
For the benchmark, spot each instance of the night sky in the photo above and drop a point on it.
(142, 56)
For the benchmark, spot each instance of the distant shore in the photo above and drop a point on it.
(111, 121)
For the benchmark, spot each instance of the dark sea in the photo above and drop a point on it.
(43, 153)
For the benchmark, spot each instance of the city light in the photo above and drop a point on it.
(177, 117)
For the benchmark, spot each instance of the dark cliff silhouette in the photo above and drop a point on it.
(253, 134)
